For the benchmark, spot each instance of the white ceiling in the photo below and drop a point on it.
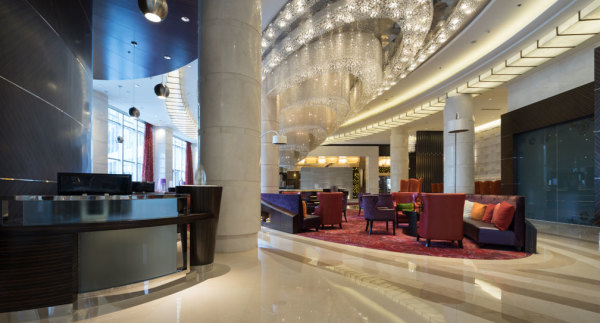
(269, 9)
(486, 27)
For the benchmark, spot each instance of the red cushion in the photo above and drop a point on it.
(489, 213)
(503, 215)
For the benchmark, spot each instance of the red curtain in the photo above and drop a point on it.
(189, 167)
(148, 164)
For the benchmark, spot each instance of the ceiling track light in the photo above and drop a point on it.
(161, 91)
(134, 112)
(154, 10)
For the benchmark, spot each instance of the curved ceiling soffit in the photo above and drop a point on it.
(320, 43)
(579, 27)
(177, 107)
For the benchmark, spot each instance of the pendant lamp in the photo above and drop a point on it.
(154, 10)
(161, 91)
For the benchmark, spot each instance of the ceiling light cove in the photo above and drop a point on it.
(571, 32)
(501, 34)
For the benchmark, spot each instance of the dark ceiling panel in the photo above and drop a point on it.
(117, 23)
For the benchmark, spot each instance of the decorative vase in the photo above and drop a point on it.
(200, 175)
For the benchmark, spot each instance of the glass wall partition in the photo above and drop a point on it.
(179, 147)
(555, 169)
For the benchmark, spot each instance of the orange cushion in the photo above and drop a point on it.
(478, 211)
(489, 213)
(503, 215)
(304, 208)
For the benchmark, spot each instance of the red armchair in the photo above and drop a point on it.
(415, 185)
(442, 218)
(330, 208)
(404, 185)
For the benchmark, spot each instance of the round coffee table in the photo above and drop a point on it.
(413, 217)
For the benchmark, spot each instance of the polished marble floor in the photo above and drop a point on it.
(297, 279)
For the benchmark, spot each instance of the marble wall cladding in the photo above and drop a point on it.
(100, 133)
(325, 177)
(45, 91)
(487, 155)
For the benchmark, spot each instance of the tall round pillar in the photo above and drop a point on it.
(399, 157)
(269, 153)
(459, 162)
(229, 89)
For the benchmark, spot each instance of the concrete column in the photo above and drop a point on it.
(163, 155)
(229, 84)
(464, 167)
(269, 153)
(399, 157)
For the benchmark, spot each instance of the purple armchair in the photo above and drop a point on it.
(375, 213)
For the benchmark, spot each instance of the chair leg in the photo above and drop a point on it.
(394, 229)
(340, 225)
(427, 243)
(345, 216)
(417, 237)
(367, 227)
(359, 210)
(317, 228)
(371, 227)
(386, 226)
(460, 245)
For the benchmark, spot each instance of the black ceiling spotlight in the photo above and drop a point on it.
(162, 91)
(154, 10)
(134, 112)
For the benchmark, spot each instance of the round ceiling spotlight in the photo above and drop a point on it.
(134, 112)
(154, 10)
(162, 91)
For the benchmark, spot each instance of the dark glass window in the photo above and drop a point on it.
(555, 168)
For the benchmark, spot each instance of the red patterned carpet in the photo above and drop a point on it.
(353, 233)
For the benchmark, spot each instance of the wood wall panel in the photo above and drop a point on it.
(37, 269)
(429, 158)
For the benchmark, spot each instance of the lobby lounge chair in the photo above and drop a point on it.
(442, 217)
(330, 208)
(375, 213)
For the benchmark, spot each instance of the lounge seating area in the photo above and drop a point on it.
(489, 221)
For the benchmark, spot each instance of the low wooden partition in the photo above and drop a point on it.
(41, 238)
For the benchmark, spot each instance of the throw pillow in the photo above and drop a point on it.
(410, 207)
(489, 213)
(478, 211)
(467, 209)
(503, 215)
(304, 208)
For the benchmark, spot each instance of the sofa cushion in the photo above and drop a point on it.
(503, 215)
(405, 207)
(489, 213)
(478, 211)
(467, 209)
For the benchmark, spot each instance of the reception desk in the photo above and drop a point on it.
(53, 248)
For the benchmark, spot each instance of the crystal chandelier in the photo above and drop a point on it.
(323, 63)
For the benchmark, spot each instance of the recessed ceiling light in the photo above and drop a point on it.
(137, 85)
(167, 57)
(185, 19)
(134, 43)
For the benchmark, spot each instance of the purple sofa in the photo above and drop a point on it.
(487, 233)
(285, 213)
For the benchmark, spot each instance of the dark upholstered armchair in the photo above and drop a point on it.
(442, 217)
(330, 208)
(360, 203)
(375, 213)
